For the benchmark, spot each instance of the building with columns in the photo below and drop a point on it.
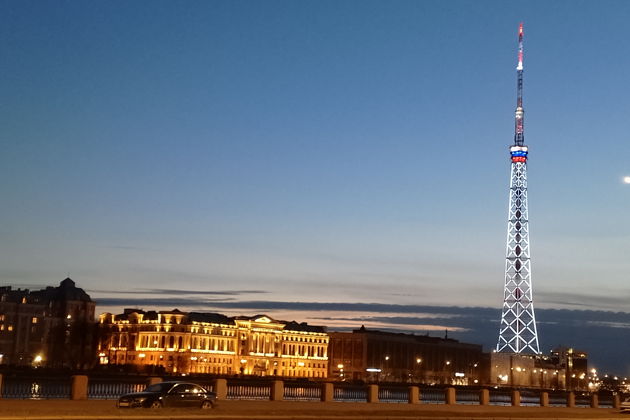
(194, 342)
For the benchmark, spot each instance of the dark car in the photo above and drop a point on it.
(169, 394)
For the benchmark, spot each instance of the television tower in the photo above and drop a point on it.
(517, 333)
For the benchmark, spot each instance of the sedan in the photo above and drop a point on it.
(169, 394)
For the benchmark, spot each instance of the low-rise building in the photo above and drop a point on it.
(372, 355)
(575, 364)
(525, 370)
(194, 342)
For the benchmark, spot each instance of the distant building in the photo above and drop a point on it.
(193, 342)
(372, 355)
(525, 370)
(49, 327)
(575, 364)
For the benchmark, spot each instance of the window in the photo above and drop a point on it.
(34, 320)
(182, 389)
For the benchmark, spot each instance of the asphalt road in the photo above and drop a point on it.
(285, 410)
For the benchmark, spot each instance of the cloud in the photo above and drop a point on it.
(181, 292)
(150, 303)
(583, 299)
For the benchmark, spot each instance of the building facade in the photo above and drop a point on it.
(575, 365)
(193, 342)
(371, 355)
(526, 370)
(49, 327)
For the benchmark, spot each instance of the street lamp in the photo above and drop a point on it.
(419, 368)
(448, 370)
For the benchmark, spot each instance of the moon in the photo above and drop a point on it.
(626, 179)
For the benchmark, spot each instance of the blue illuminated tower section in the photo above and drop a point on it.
(517, 333)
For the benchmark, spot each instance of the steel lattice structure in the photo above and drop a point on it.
(518, 333)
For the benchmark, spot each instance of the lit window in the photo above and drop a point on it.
(34, 320)
(1, 317)
(10, 328)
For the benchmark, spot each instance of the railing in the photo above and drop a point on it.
(500, 397)
(107, 389)
(432, 396)
(350, 393)
(558, 399)
(393, 394)
(81, 387)
(582, 400)
(467, 396)
(40, 388)
(530, 398)
(296, 392)
(606, 400)
(249, 392)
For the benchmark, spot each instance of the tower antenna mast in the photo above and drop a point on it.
(518, 333)
(519, 138)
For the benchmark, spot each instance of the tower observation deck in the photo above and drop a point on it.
(517, 333)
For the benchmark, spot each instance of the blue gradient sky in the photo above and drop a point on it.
(329, 151)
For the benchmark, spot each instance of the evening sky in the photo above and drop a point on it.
(313, 151)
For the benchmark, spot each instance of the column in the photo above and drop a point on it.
(79, 387)
(277, 391)
(220, 388)
(484, 396)
(414, 395)
(450, 397)
(544, 399)
(328, 392)
(516, 398)
(372, 393)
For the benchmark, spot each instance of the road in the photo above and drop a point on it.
(285, 410)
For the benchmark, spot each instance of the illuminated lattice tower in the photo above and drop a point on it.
(517, 333)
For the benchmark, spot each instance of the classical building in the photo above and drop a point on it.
(193, 342)
(372, 355)
(49, 327)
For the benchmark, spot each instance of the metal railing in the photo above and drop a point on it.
(249, 392)
(350, 393)
(393, 394)
(15, 387)
(467, 396)
(499, 397)
(558, 399)
(295, 392)
(112, 389)
(432, 396)
(36, 389)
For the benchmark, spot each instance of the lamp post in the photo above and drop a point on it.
(419, 369)
(448, 371)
